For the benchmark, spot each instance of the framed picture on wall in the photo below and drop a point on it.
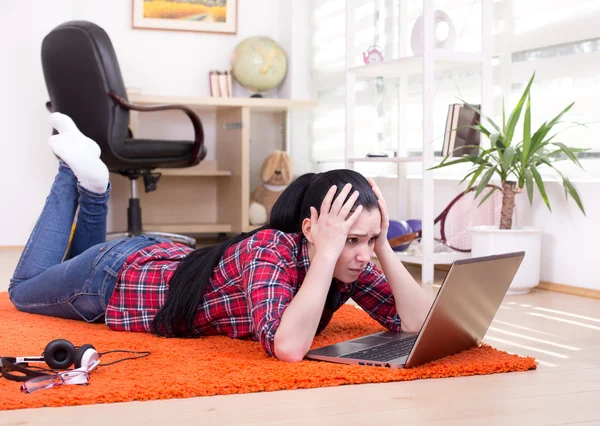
(209, 16)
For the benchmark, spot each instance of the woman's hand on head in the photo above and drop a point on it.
(330, 227)
(382, 241)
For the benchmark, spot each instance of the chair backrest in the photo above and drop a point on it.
(81, 68)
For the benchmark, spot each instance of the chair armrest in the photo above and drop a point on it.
(199, 152)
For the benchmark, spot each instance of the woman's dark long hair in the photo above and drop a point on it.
(187, 285)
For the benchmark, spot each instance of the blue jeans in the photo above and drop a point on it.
(72, 281)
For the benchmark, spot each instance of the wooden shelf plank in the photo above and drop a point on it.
(206, 168)
(213, 103)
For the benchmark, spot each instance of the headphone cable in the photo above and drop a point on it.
(142, 354)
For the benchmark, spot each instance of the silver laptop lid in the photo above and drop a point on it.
(465, 306)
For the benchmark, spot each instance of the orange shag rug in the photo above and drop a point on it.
(217, 365)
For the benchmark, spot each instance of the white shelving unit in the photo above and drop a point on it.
(414, 64)
(425, 65)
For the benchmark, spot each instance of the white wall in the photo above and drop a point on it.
(157, 62)
(26, 164)
(570, 241)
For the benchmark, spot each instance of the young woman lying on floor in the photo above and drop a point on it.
(280, 284)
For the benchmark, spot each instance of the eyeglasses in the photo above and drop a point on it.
(51, 380)
(79, 376)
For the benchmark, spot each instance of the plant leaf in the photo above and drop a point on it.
(494, 188)
(475, 176)
(468, 175)
(484, 181)
(558, 151)
(516, 113)
(536, 139)
(481, 115)
(468, 126)
(483, 130)
(485, 156)
(544, 160)
(496, 141)
(568, 186)
(529, 183)
(537, 147)
(467, 158)
(503, 116)
(540, 185)
(577, 124)
(541, 133)
(462, 147)
(573, 192)
(526, 130)
(507, 158)
(568, 152)
(554, 121)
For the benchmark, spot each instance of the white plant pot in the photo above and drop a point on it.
(489, 240)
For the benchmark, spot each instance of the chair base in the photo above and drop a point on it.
(178, 238)
(134, 211)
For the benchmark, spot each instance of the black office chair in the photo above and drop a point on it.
(84, 82)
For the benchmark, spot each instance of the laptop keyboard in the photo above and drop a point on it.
(385, 352)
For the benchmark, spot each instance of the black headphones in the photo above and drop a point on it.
(59, 354)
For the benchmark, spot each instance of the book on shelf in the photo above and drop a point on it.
(458, 135)
(220, 84)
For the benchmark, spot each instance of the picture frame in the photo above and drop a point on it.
(205, 16)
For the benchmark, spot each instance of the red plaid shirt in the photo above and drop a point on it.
(250, 288)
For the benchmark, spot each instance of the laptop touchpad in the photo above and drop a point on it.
(371, 340)
(338, 349)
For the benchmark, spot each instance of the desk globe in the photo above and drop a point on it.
(259, 64)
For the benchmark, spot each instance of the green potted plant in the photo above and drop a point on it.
(516, 161)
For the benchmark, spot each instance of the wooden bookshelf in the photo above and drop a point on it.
(214, 196)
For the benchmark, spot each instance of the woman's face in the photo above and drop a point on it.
(359, 246)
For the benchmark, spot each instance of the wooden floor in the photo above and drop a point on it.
(561, 331)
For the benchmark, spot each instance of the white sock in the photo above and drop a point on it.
(80, 153)
(65, 126)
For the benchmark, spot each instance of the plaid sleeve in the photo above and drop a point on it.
(268, 291)
(374, 295)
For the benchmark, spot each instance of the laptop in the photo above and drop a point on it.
(458, 319)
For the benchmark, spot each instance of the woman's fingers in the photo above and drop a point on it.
(379, 195)
(345, 210)
(383, 210)
(376, 189)
(326, 204)
(354, 216)
(339, 201)
(382, 204)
